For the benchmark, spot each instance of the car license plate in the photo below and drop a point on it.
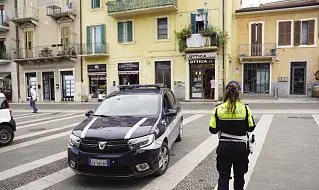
(96, 162)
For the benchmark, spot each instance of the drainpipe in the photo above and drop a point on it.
(224, 46)
(81, 51)
(17, 48)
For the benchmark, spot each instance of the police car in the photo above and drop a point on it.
(129, 135)
(7, 123)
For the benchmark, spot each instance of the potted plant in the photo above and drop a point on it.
(182, 36)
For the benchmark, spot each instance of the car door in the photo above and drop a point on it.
(177, 119)
(4, 110)
(169, 120)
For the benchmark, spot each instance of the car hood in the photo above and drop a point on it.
(114, 127)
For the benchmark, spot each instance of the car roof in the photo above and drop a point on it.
(139, 90)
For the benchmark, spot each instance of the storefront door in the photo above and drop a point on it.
(48, 86)
(298, 78)
(97, 79)
(163, 73)
(31, 80)
(67, 85)
(256, 77)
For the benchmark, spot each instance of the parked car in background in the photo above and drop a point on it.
(7, 123)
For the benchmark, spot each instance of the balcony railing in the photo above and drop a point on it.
(49, 51)
(257, 50)
(96, 48)
(28, 12)
(118, 6)
(60, 10)
(5, 55)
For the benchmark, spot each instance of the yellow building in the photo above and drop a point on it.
(134, 42)
(277, 48)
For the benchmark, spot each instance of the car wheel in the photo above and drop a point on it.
(163, 160)
(6, 135)
(180, 135)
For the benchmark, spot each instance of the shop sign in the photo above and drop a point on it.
(96, 68)
(201, 55)
(128, 66)
(202, 61)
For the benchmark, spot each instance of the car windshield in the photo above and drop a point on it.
(130, 105)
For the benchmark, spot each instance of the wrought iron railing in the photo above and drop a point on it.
(58, 9)
(95, 48)
(246, 50)
(55, 50)
(5, 55)
(129, 5)
(25, 12)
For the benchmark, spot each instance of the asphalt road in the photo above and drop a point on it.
(287, 156)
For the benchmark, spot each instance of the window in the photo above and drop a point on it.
(199, 22)
(162, 28)
(2, 16)
(96, 42)
(125, 31)
(3, 103)
(256, 77)
(284, 33)
(95, 4)
(304, 33)
(65, 36)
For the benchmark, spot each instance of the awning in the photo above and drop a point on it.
(128, 72)
(4, 75)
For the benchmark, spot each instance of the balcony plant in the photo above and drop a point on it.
(45, 52)
(182, 36)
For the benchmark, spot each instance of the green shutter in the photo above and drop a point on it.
(120, 32)
(129, 31)
(193, 23)
(88, 39)
(103, 38)
(98, 3)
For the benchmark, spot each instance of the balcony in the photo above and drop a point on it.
(96, 49)
(49, 52)
(24, 16)
(60, 11)
(4, 24)
(128, 8)
(257, 51)
(199, 43)
(5, 57)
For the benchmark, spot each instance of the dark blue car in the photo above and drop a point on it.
(129, 135)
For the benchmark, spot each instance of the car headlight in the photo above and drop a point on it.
(141, 142)
(74, 141)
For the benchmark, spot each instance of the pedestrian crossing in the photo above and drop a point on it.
(48, 133)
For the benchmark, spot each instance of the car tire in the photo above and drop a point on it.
(163, 157)
(6, 135)
(180, 135)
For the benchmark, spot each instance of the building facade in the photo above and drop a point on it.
(276, 49)
(8, 68)
(47, 49)
(134, 42)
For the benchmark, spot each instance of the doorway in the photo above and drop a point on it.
(298, 78)
(28, 35)
(163, 73)
(256, 39)
(48, 86)
(200, 76)
(257, 78)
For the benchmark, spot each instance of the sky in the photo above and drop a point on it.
(247, 3)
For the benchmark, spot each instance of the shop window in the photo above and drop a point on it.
(67, 84)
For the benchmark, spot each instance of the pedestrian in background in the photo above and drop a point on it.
(212, 88)
(33, 99)
(232, 120)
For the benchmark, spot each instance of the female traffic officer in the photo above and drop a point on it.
(232, 120)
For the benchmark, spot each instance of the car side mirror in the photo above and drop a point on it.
(171, 112)
(89, 113)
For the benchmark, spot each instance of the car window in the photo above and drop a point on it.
(170, 104)
(171, 98)
(130, 105)
(3, 103)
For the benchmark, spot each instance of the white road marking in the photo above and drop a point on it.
(87, 127)
(36, 141)
(43, 119)
(33, 115)
(132, 129)
(263, 111)
(316, 118)
(45, 131)
(260, 133)
(192, 118)
(31, 165)
(19, 115)
(49, 180)
(50, 121)
(184, 166)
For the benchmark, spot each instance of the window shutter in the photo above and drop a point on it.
(288, 33)
(88, 39)
(281, 35)
(129, 31)
(253, 34)
(103, 37)
(120, 32)
(311, 32)
(260, 33)
(297, 33)
(193, 23)
(98, 3)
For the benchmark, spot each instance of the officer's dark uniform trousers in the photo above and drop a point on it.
(233, 149)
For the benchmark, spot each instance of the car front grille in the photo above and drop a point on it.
(112, 146)
(119, 170)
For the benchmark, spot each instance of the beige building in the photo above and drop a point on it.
(8, 68)
(47, 49)
(277, 48)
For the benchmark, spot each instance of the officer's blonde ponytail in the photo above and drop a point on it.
(232, 95)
